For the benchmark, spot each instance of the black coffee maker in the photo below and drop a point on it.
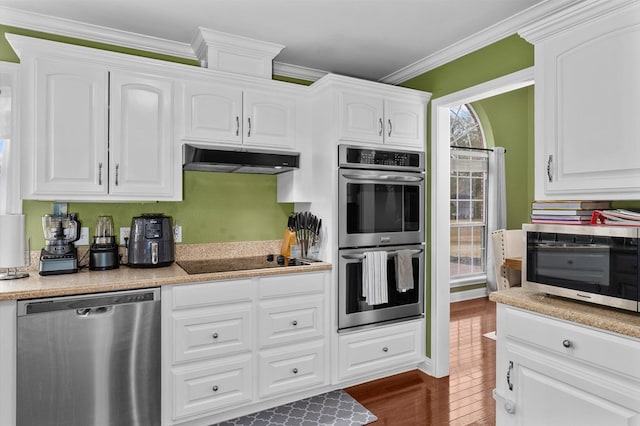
(103, 253)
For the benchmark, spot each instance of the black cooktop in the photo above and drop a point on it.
(207, 266)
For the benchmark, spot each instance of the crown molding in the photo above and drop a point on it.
(296, 71)
(479, 40)
(571, 17)
(95, 33)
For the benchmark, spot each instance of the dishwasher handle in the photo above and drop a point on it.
(87, 304)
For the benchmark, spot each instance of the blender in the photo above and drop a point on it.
(103, 253)
(59, 255)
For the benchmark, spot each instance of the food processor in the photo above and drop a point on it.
(59, 255)
(103, 253)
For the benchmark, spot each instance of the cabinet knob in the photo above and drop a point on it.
(385, 349)
(567, 343)
(294, 371)
(214, 335)
(214, 388)
(294, 323)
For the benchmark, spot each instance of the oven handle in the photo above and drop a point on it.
(395, 178)
(389, 253)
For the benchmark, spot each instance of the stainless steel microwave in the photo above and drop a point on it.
(597, 264)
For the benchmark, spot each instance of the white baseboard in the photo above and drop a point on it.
(426, 366)
(476, 293)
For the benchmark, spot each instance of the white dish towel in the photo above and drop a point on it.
(404, 271)
(374, 277)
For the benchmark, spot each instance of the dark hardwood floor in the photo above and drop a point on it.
(463, 398)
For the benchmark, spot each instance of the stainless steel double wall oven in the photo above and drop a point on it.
(381, 203)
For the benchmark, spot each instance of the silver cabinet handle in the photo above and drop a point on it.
(214, 388)
(117, 172)
(249, 130)
(294, 371)
(380, 125)
(390, 127)
(549, 164)
(237, 125)
(567, 343)
(509, 375)
(214, 335)
(100, 174)
(294, 323)
(385, 349)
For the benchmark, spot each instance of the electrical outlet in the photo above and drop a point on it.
(177, 233)
(84, 237)
(124, 233)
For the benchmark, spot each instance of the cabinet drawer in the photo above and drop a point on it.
(211, 293)
(201, 334)
(291, 285)
(292, 368)
(221, 384)
(374, 350)
(614, 352)
(291, 320)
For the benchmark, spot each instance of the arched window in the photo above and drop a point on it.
(468, 199)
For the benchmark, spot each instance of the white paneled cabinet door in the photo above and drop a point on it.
(404, 123)
(141, 128)
(269, 119)
(213, 113)
(587, 109)
(70, 129)
(361, 118)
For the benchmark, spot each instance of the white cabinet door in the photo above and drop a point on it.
(587, 110)
(361, 118)
(69, 124)
(269, 119)
(213, 113)
(141, 136)
(405, 123)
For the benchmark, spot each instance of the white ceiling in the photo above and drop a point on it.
(370, 39)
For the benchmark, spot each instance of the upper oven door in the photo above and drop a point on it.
(380, 208)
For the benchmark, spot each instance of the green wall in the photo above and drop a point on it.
(216, 207)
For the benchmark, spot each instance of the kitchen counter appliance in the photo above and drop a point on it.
(151, 242)
(597, 264)
(59, 255)
(103, 253)
(89, 360)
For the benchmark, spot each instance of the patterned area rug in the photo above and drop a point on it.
(336, 408)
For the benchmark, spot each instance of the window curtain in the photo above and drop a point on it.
(496, 209)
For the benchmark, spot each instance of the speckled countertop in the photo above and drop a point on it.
(602, 317)
(124, 277)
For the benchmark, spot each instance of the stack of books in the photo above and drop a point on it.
(566, 212)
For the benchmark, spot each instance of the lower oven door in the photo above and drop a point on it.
(354, 311)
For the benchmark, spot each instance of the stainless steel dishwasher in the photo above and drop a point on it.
(89, 360)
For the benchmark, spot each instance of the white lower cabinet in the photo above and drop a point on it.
(230, 347)
(552, 372)
(385, 347)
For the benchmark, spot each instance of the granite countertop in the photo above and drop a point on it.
(124, 278)
(602, 317)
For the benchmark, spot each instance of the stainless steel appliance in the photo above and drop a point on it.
(103, 253)
(59, 255)
(597, 264)
(151, 242)
(380, 197)
(381, 201)
(206, 159)
(90, 360)
(353, 310)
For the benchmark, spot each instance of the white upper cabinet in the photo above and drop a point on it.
(140, 135)
(95, 127)
(587, 90)
(377, 119)
(231, 115)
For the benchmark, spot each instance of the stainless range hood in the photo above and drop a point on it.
(204, 159)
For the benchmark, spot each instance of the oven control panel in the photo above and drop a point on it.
(350, 156)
